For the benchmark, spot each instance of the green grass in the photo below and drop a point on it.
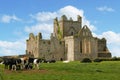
(68, 71)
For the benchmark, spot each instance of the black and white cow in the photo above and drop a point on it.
(10, 63)
(21, 63)
(6, 62)
(14, 63)
(49, 61)
(33, 63)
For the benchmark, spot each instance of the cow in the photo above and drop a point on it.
(6, 62)
(10, 63)
(49, 61)
(14, 63)
(24, 61)
(33, 63)
(21, 63)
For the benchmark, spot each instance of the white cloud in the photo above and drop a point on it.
(113, 41)
(46, 29)
(8, 18)
(71, 11)
(112, 37)
(12, 48)
(44, 16)
(105, 9)
(39, 27)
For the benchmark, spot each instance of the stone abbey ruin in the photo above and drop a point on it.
(69, 41)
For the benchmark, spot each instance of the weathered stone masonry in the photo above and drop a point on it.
(75, 42)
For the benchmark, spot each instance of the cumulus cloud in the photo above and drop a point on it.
(44, 16)
(8, 18)
(12, 48)
(105, 9)
(113, 41)
(112, 37)
(39, 27)
(71, 11)
(43, 27)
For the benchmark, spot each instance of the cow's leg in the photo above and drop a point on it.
(18, 67)
(10, 66)
(37, 65)
(6, 66)
(21, 66)
(14, 67)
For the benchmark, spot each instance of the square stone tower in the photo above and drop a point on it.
(67, 27)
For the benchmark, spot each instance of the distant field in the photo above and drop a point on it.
(67, 71)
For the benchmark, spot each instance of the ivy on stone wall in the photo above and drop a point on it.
(59, 32)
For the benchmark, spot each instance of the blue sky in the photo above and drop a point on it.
(20, 17)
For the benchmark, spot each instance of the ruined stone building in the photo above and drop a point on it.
(69, 41)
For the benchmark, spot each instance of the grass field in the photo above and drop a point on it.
(67, 71)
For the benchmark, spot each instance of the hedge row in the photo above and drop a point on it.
(87, 60)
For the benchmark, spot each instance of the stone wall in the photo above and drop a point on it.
(53, 49)
(48, 49)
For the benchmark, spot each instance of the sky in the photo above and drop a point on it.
(18, 18)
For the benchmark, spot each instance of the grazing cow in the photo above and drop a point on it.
(6, 62)
(24, 61)
(49, 61)
(33, 62)
(14, 63)
(21, 63)
(36, 63)
(10, 63)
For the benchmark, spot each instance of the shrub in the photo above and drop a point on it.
(97, 60)
(1, 60)
(86, 60)
(115, 59)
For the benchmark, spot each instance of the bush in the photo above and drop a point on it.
(86, 60)
(97, 60)
(1, 60)
(115, 59)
